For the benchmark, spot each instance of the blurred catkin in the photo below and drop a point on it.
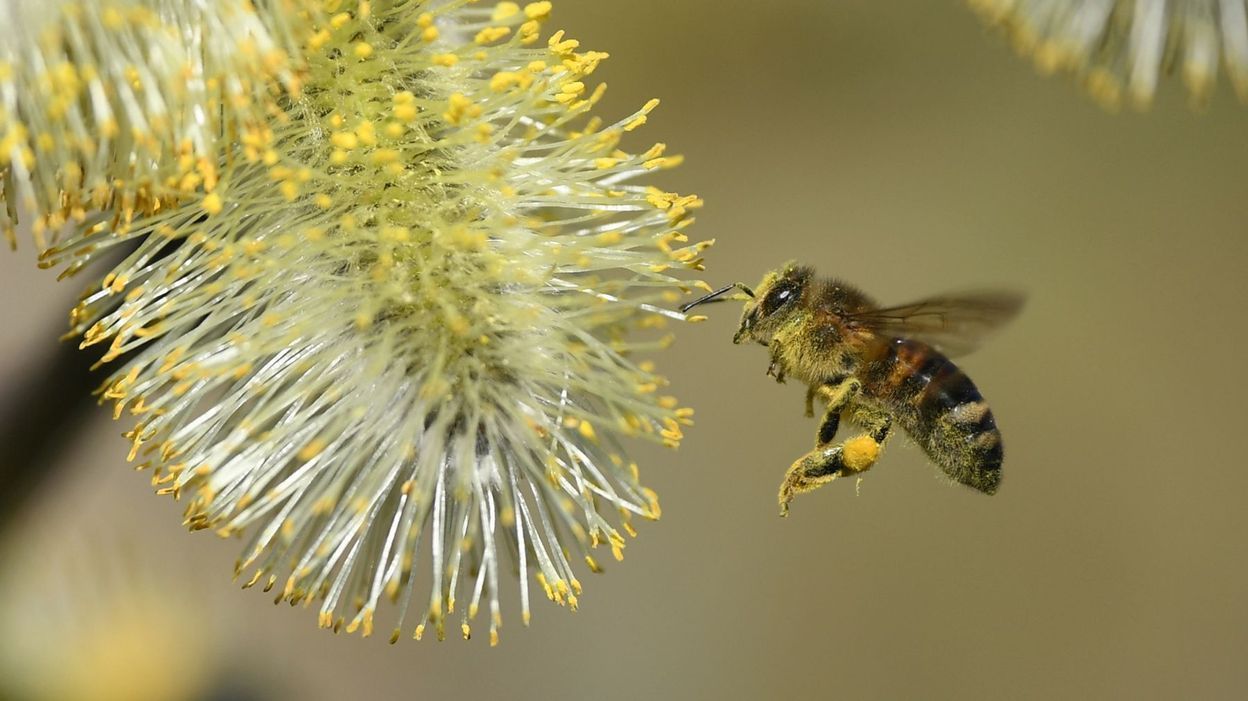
(388, 271)
(86, 621)
(1120, 48)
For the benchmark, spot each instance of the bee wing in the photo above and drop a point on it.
(955, 324)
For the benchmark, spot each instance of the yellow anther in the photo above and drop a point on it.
(459, 108)
(541, 579)
(212, 203)
(382, 156)
(344, 140)
(363, 49)
(660, 199)
(586, 429)
(118, 284)
(667, 162)
(430, 34)
(640, 119)
(312, 449)
(530, 32)
(655, 151)
(503, 10)
(489, 35)
(319, 39)
(561, 47)
(445, 60)
(586, 63)
(504, 80)
(538, 10)
(653, 498)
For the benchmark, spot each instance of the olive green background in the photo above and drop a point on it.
(905, 148)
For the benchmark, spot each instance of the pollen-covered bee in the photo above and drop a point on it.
(877, 367)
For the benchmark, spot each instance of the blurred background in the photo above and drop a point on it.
(904, 148)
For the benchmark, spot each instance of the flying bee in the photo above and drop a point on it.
(877, 367)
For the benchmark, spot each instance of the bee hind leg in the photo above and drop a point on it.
(826, 463)
(822, 465)
(810, 472)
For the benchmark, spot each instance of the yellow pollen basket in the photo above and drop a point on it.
(861, 453)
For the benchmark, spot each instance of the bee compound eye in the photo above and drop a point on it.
(776, 299)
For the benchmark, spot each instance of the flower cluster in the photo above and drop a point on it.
(1122, 46)
(381, 281)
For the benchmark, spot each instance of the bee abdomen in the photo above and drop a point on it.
(945, 413)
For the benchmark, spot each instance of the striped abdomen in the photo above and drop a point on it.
(941, 409)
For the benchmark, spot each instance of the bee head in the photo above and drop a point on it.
(774, 302)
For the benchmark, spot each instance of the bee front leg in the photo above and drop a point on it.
(776, 368)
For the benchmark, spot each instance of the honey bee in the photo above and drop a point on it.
(877, 367)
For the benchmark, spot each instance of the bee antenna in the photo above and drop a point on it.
(716, 296)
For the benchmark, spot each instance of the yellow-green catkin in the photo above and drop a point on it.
(84, 616)
(1119, 48)
(384, 274)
